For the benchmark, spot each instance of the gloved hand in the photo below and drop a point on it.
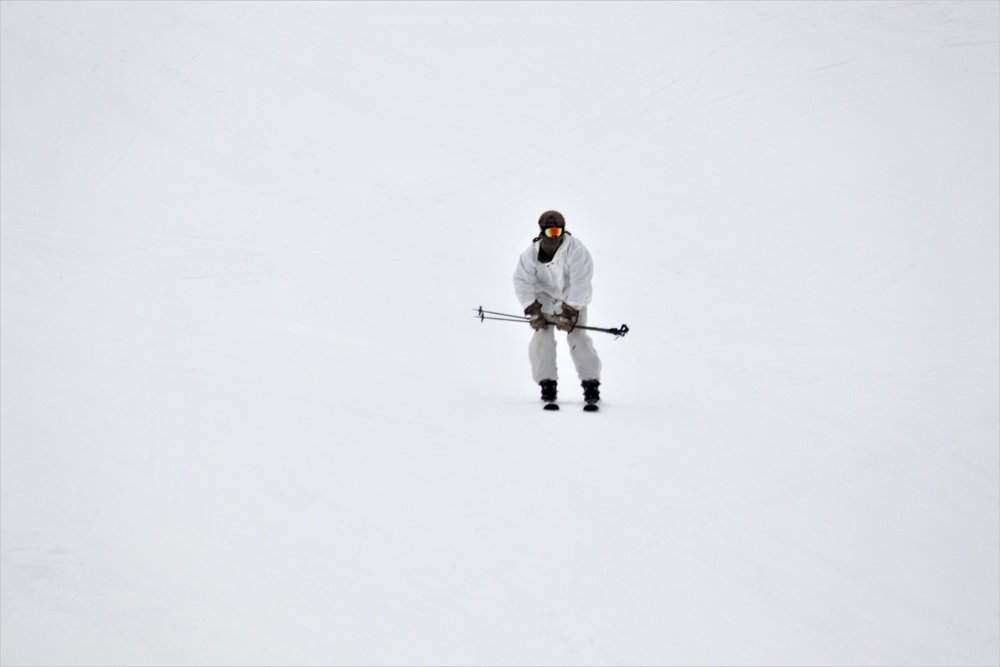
(567, 318)
(537, 320)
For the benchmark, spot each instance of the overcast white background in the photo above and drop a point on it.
(248, 417)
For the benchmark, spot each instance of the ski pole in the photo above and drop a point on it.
(507, 317)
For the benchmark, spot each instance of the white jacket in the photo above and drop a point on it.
(565, 279)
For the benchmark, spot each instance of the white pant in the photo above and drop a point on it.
(542, 352)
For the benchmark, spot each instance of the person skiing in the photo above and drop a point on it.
(552, 284)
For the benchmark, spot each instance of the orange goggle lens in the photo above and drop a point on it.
(552, 232)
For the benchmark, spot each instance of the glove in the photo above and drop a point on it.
(567, 319)
(537, 320)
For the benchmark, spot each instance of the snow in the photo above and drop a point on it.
(249, 418)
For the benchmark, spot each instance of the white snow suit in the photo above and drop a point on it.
(563, 280)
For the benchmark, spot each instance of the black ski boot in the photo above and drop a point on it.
(591, 394)
(549, 394)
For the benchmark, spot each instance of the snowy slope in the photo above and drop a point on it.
(247, 416)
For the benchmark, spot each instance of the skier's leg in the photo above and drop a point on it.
(581, 348)
(542, 352)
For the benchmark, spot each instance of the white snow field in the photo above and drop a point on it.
(249, 417)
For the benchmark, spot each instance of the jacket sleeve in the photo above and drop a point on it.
(524, 280)
(581, 272)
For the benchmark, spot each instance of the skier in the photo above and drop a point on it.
(552, 284)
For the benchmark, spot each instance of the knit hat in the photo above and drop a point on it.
(551, 219)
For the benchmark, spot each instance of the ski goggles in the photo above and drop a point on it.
(553, 232)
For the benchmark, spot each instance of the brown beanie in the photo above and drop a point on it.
(551, 219)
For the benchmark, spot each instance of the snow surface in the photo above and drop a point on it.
(248, 416)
